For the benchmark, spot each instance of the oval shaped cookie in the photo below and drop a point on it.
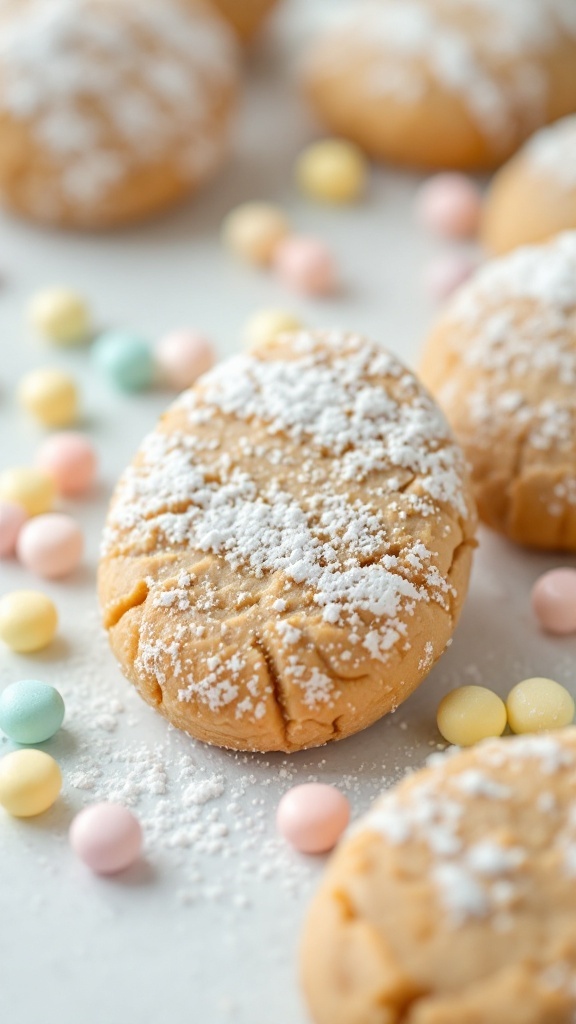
(288, 554)
(453, 901)
(442, 83)
(502, 363)
(111, 111)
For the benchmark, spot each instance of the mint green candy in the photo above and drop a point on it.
(30, 712)
(126, 359)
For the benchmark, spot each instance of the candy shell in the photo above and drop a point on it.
(31, 711)
(50, 545)
(50, 396)
(30, 488)
(265, 326)
(12, 519)
(332, 171)
(449, 205)
(107, 837)
(60, 315)
(70, 460)
(312, 817)
(539, 705)
(554, 601)
(183, 356)
(306, 265)
(28, 620)
(253, 230)
(470, 714)
(30, 782)
(125, 359)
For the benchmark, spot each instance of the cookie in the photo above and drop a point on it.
(502, 363)
(533, 197)
(453, 901)
(245, 16)
(110, 110)
(441, 83)
(287, 555)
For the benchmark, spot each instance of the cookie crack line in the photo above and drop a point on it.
(123, 605)
(274, 677)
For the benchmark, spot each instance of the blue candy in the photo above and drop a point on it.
(31, 712)
(126, 359)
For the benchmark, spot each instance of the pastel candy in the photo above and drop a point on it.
(12, 519)
(71, 460)
(312, 817)
(107, 837)
(30, 782)
(31, 711)
(50, 545)
(554, 601)
(125, 359)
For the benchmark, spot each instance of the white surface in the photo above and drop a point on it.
(194, 935)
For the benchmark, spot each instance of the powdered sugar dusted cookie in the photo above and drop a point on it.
(288, 554)
(245, 16)
(502, 363)
(110, 110)
(453, 902)
(533, 197)
(445, 83)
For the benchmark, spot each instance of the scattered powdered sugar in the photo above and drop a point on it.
(486, 52)
(552, 153)
(108, 86)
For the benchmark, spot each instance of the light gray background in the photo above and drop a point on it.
(199, 932)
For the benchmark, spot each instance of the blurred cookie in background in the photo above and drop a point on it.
(110, 110)
(441, 83)
(245, 16)
(533, 197)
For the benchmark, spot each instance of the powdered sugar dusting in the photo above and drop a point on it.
(552, 153)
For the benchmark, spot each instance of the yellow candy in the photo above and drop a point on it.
(61, 316)
(470, 714)
(30, 782)
(28, 487)
(28, 620)
(50, 396)
(265, 326)
(536, 705)
(333, 171)
(253, 231)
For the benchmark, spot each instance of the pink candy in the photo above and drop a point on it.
(306, 265)
(312, 817)
(107, 837)
(50, 545)
(554, 601)
(70, 460)
(183, 356)
(449, 205)
(445, 274)
(12, 519)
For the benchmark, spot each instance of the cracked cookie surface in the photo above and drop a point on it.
(453, 901)
(502, 364)
(287, 555)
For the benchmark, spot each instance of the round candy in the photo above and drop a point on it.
(253, 230)
(30, 488)
(333, 171)
(554, 601)
(312, 817)
(449, 205)
(126, 359)
(307, 265)
(51, 545)
(30, 782)
(107, 837)
(183, 356)
(265, 325)
(28, 620)
(51, 396)
(70, 460)
(30, 711)
(12, 518)
(61, 316)
(536, 705)
(470, 714)
(446, 273)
